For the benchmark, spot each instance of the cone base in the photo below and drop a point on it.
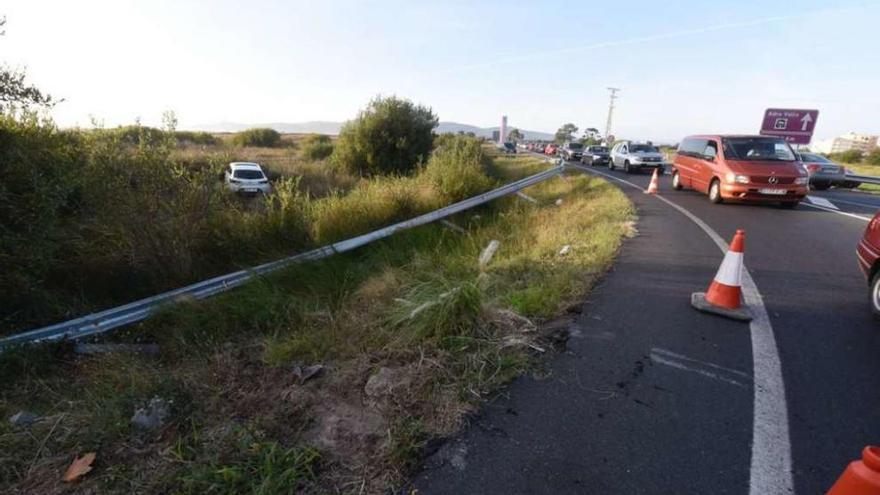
(698, 301)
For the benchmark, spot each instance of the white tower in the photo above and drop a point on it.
(502, 134)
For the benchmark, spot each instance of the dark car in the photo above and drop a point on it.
(571, 151)
(596, 155)
(507, 147)
(823, 172)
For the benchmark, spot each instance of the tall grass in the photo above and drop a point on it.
(95, 218)
(417, 302)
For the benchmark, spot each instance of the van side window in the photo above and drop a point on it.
(693, 147)
(711, 150)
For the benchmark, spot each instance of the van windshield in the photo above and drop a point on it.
(575, 146)
(757, 149)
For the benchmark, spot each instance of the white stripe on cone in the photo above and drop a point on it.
(730, 271)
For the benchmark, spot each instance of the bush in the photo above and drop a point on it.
(316, 147)
(873, 157)
(262, 137)
(40, 186)
(391, 136)
(373, 204)
(196, 137)
(848, 156)
(457, 168)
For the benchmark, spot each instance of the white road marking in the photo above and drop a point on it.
(770, 471)
(856, 203)
(851, 215)
(679, 365)
(669, 353)
(816, 200)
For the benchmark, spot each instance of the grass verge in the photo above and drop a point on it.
(412, 334)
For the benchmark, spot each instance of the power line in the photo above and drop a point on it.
(610, 111)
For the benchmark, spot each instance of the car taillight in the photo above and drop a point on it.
(813, 167)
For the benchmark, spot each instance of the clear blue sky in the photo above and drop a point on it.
(684, 66)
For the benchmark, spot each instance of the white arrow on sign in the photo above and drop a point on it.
(805, 121)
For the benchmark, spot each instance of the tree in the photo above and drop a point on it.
(515, 135)
(589, 141)
(259, 136)
(566, 133)
(317, 147)
(391, 136)
(849, 156)
(14, 91)
(873, 157)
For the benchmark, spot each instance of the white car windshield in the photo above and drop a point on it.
(642, 148)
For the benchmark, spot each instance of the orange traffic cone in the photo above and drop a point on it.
(860, 477)
(652, 187)
(724, 296)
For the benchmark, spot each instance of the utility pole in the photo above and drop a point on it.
(610, 113)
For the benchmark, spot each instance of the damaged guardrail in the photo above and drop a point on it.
(864, 179)
(136, 311)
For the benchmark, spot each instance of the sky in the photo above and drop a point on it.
(683, 66)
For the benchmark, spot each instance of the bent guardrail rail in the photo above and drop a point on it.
(864, 179)
(133, 312)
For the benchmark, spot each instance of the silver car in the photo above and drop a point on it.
(633, 157)
(246, 178)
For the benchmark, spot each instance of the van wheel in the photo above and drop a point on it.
(875, 295)
(626, 167)
(676, 181)
(715, 191)
(610, 164)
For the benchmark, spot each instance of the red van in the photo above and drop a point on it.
(740, 168)
(868, 252)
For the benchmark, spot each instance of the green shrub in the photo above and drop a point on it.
(457, 168)
(848, 156)
(40, 187)
(391, 136)
(196, 137)
(437, 308)
(873, 157)
(135, 135)
(262, 137)
(371, 205)
(316, 147)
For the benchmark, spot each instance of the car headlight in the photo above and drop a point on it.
(736, 178)
(637, 159)
(802, 181)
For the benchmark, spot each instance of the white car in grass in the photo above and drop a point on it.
(246, 178)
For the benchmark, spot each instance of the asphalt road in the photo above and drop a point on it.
(652, 396)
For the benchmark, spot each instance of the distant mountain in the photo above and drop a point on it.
(316, 127)
(332, 128)
(455, 127)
